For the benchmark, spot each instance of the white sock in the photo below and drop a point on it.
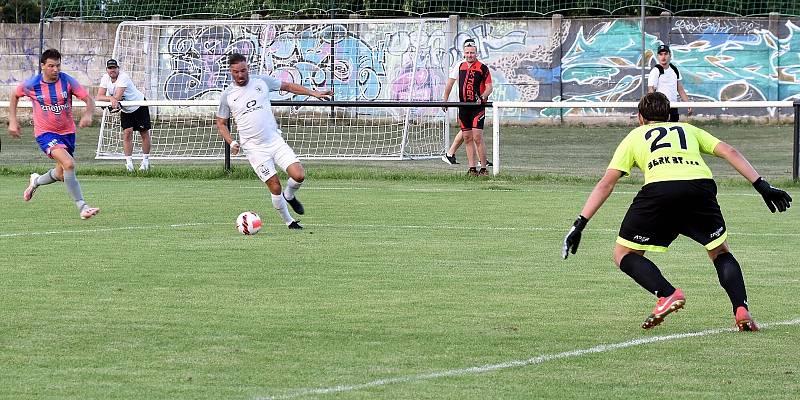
(291, 187)
(46, 179)
(280, 204)
(145, 158)
(129, 160)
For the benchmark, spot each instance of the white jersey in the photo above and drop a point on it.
(666, 83)
(131, 93)
(251, 108)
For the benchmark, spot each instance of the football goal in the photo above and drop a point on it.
(182, 68)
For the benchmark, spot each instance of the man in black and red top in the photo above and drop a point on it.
(474, 86)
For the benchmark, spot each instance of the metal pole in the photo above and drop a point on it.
(796, 155)
(41, 32)
(228, 152)
(644, 49)
(333, 58)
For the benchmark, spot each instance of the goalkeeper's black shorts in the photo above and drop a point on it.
(139, 120)
(663, 210)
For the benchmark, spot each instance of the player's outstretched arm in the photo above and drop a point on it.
(298, 89)
(776, 199)
(596, 199)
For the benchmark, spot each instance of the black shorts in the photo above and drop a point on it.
(673, 115)
(139, 120)
(663, 210)
(471, 117)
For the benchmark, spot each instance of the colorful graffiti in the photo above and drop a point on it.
(324, 56)
(532, 60)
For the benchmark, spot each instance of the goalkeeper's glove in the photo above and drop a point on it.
(573, 238)
(774, 197)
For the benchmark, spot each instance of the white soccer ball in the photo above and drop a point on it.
(248, 223)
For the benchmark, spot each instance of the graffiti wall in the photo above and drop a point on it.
(359, 61)
(531, 60)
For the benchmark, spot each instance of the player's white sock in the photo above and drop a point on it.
(291, 187)
(280, 204)
(46, 179)
(74, 188)
(145, 162)
(129, 163)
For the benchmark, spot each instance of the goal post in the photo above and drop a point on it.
(404, 61)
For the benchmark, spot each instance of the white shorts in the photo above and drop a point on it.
(264, 157)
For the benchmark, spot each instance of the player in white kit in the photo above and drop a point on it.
(247, 100)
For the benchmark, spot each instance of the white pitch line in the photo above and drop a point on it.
(411, 189)
(95, 230)
(511, 364)
(359, 226)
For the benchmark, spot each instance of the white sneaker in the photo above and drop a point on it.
(129, 167)
(144, 167)
(31, 189)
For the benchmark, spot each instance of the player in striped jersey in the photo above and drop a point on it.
(54, 128)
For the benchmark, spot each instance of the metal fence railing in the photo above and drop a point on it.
(206, 9)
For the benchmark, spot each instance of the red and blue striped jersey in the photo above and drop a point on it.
(52, 103)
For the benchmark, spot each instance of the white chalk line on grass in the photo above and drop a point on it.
(412, 189)
(352, 226)
(96, 230)
(511, 364)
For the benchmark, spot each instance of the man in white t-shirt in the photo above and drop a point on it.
(665, 78)
(116, 86)
(247, 100)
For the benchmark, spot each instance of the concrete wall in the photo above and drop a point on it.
(85, 47)
(543, 60)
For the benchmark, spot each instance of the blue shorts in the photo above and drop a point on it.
(49, 141)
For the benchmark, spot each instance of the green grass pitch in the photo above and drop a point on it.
(409, 281)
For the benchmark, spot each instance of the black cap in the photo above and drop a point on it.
(112, 63)
(663, 49)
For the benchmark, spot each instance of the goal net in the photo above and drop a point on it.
(314, 129)
(181, 67)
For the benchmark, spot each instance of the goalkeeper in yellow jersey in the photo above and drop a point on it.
(679, 196)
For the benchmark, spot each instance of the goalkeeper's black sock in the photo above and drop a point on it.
(646, 274)
(730, 277)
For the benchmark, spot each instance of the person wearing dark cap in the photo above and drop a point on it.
(116, 86)
(665, 78)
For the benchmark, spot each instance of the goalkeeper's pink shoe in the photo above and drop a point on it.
(744, 322)
(664, 307)
(31, 189)
(89, 212)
